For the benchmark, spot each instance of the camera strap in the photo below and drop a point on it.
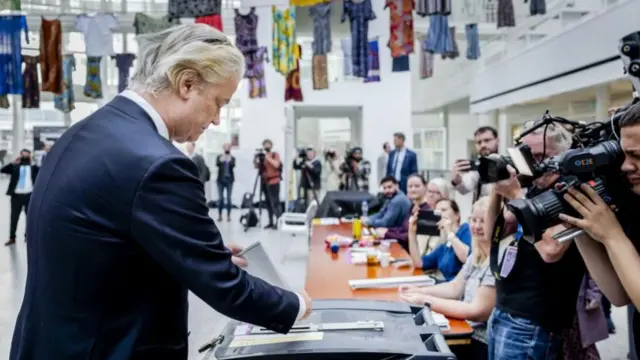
(503, 252)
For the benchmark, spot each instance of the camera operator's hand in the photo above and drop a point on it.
(446, 225)
(413, 220)
(598, 221)
(309, 164)
(509, 188)
(460, 166)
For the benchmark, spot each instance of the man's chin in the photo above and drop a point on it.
(636, 189)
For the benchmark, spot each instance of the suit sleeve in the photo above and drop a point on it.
(7, 169)
(413, 167)
(170, 221)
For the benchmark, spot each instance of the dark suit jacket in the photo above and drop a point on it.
(14, 170)
(118, 231)
(220, 165)
(409, 166)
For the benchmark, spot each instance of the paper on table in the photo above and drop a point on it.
(440, 320)
(260, 265)
(326, 221)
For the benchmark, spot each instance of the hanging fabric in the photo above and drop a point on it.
(51, 55)
(14, 5)
(373, 71)
(31, 93)
(65, 102)
(193, 8)
(426, 61)
(307, 2)
(400, 64)
(93, 84)
(257, 83)
(215, 21)
(246, 37)
(473, 41)
(537, 7)
(283, 40)
(401, 27)
(4, 102)
(321, 15)
(11, 28)
(359, 14)
(452, 45)
(439, 37)
(98, 33)
(347, 61)
(433, 7)
(124, 62)
(320, 72)
(506, 14)
(145, 24)
(292, 89)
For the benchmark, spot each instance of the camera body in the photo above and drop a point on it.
(329, 154)
(428, 223)
(259, 155)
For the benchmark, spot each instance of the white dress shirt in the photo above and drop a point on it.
(162, 130)
(27, 186)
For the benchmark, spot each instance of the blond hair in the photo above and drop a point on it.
(477, 254)
(443, 186)
(555, 134)
(187, 50)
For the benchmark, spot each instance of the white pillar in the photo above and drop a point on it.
(603, 102)
(504, 132)
(18, 124)
(445, 124)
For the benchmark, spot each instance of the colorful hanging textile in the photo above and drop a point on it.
(359, 14)
(292, 90)
(506, 14)
(433, 7)
(257, 83)
(193, 8)
(51, 55)
(124, 62)
(321, 15)
(284, 40)
(473, 41)
(439, 37)
(320, 72)
(426, 61)
(373, 60)
(11, 28)
(31, 93)
(452, 51)
(65, 102)
(401, 27)
(145, 24)
(93, 85)
(215, 21)
(307, 2)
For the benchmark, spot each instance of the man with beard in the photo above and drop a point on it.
(23, 176)
(462, 178)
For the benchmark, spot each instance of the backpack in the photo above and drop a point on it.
(249, 219)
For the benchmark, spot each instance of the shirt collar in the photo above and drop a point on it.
(155, 116)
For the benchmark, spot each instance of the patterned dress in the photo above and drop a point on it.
(31, 94)
(93, 85)
(359, 14)
(145, 24)
(401, 24)
(373, 74)
(246, 38)
(51, 55)
(257, 84)
(321, 15)
(284, 40)
(123, 63)
(320, 72)
(193, 8)
(65, 102)
(506, 14)
(292, 90)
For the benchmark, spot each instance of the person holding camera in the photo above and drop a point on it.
(463, 178)
(355, 171)
(225, 163)
(331, 170)
(537, 284)
(441, 257)
(310, 171)
(609, 249)
(270, 168)
(471, 295)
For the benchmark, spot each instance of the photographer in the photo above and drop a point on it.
(355, 171)
(331, 170)
(270, 168)
(537, 284)
(310, 170)
(465, 180)
(609, 249)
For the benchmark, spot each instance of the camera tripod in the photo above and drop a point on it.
(311, 184)
(257, 185)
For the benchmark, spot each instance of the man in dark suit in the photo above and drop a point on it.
(23, 175)
(402, 162)
(204, 173)
(225, 163)
(118, 226)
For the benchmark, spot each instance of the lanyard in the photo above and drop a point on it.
(497, 235)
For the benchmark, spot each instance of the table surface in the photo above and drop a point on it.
(328, 275)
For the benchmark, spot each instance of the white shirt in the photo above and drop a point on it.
(98, 33)
(398, 159)
(162, 130)
(27, 188)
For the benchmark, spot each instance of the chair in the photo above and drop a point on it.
(296, 223)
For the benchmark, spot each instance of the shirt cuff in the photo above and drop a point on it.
(302, 309)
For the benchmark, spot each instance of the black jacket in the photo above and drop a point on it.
(220, 165)
(14, 170)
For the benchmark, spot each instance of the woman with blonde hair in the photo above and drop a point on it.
(471, 295)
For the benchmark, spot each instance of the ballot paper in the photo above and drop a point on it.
(440, 320)
(261, 265)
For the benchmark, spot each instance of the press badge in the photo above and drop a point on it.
(509, 252)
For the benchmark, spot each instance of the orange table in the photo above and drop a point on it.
(328, 276)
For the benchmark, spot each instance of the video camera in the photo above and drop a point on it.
(259, 155)
(329, 154)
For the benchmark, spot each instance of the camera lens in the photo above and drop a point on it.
(493, 169)
(537, 214)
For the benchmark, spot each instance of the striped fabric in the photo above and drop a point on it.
(473, 41)
(432, 7)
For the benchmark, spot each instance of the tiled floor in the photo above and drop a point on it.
(204, 322)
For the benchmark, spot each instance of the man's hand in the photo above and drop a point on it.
(509, 188)
(459, 166)
(307, 302)
(598, 221)
(415, 298)
(238, 260)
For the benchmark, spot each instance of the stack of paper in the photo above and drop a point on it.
(440, 320)
(392, 282)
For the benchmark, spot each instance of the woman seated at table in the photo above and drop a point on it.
(423, 196)
(416, 192)
(471, 295)
(441, 257)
